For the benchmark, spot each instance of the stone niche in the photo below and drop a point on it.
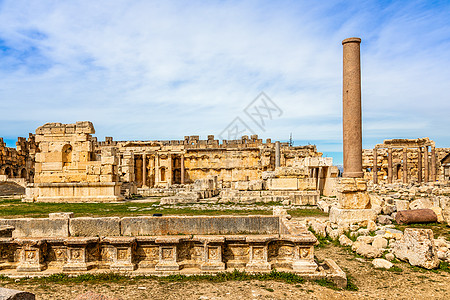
(68, 169)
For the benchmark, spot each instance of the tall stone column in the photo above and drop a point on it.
(375, 165)
(389, 165)
(182, 168)
(352, 131)
(277, 154)
(433, 164)
(426, 164)
(405, 165)
(156, 169)
(144, 170)
(170, 171)
(419, 165)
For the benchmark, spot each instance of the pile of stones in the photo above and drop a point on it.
(383, 243)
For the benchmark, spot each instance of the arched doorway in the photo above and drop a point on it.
(23, 173)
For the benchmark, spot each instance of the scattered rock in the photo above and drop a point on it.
(390, 256)
(384, 219)
(345, 241)
(9, 294)
(421, 204)
(438, 212)
(380, 263)
(417, 247)
(371, 226)
(365, 239)
(368, 251)
(380, 242)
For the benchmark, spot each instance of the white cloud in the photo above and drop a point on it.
(162, 70)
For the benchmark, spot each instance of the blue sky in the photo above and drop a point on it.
(165, 69)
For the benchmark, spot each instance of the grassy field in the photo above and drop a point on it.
(13, 208)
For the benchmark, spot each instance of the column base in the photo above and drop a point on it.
(359, 174)
(304, 266)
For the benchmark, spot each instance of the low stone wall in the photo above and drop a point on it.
(64, 226)
(284, 197)
(161, 246)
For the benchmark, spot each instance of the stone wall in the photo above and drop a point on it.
(19, 162)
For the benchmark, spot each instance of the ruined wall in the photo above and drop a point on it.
(411, 146)
(163, 163)
(19, 162)
(68, 169)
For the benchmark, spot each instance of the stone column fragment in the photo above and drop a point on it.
(389, 165)
(426, 164)
(419, 164)
(375, 165)
(182, 169)
(405, 165)
(144, 170)
(277, 154)
(352, 131)
(433, 164)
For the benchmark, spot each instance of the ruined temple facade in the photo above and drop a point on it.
(164, 163)
(17, 164)
(405, 161)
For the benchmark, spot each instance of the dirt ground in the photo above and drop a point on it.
(372, 284)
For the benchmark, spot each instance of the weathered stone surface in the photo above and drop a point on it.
(380, 263)
(371, 226)
(417, 247)
(318, 227)
(384, 219)
(438, 212)
(390, 257)
(173, 225)
(60, 215)
(340, 216)
(345, 241)
(380, 242)
(9, 294)
(86, 226)
(38, 227)
(401, 205)
(368, 251)
(365, 239)
(422, 203)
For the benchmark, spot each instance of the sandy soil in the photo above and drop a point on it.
(372, 284)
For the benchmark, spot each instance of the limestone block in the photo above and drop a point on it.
(306, 184)
(106, 178)
(390, 257)
(354, 200)
(107, 170)
(110, 160)
(368, 251)
(401, 205)
(38, 227)
(342, 216)
(347, 185)
(345, 241)
(422, 203)
(417, 247)
(241, 185)
(85, 226)
(60, 215)
(256, 185)
(380, 242)
(438, 212)
(365, 239)
(380, 263)
(282, 184)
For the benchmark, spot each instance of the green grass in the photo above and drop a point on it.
(15, 208)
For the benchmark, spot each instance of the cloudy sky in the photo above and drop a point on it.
(165, 69)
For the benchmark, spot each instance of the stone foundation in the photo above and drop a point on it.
(251, 243)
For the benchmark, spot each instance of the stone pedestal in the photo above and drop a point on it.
(304, 259)
(348, 216)
(168, 254)
(31, 254)
(258, 255)
(352, 193)
(77, 258)
(212, 253)
(123, 253)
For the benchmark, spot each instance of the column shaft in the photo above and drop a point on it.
(144, 170)
(419, 165)
(352, 132)
(433, 164)
(277, 154)
(426, 164)
(156, 169)
(389, 165)
(182, 168)
(405, 165)
(375, 166)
